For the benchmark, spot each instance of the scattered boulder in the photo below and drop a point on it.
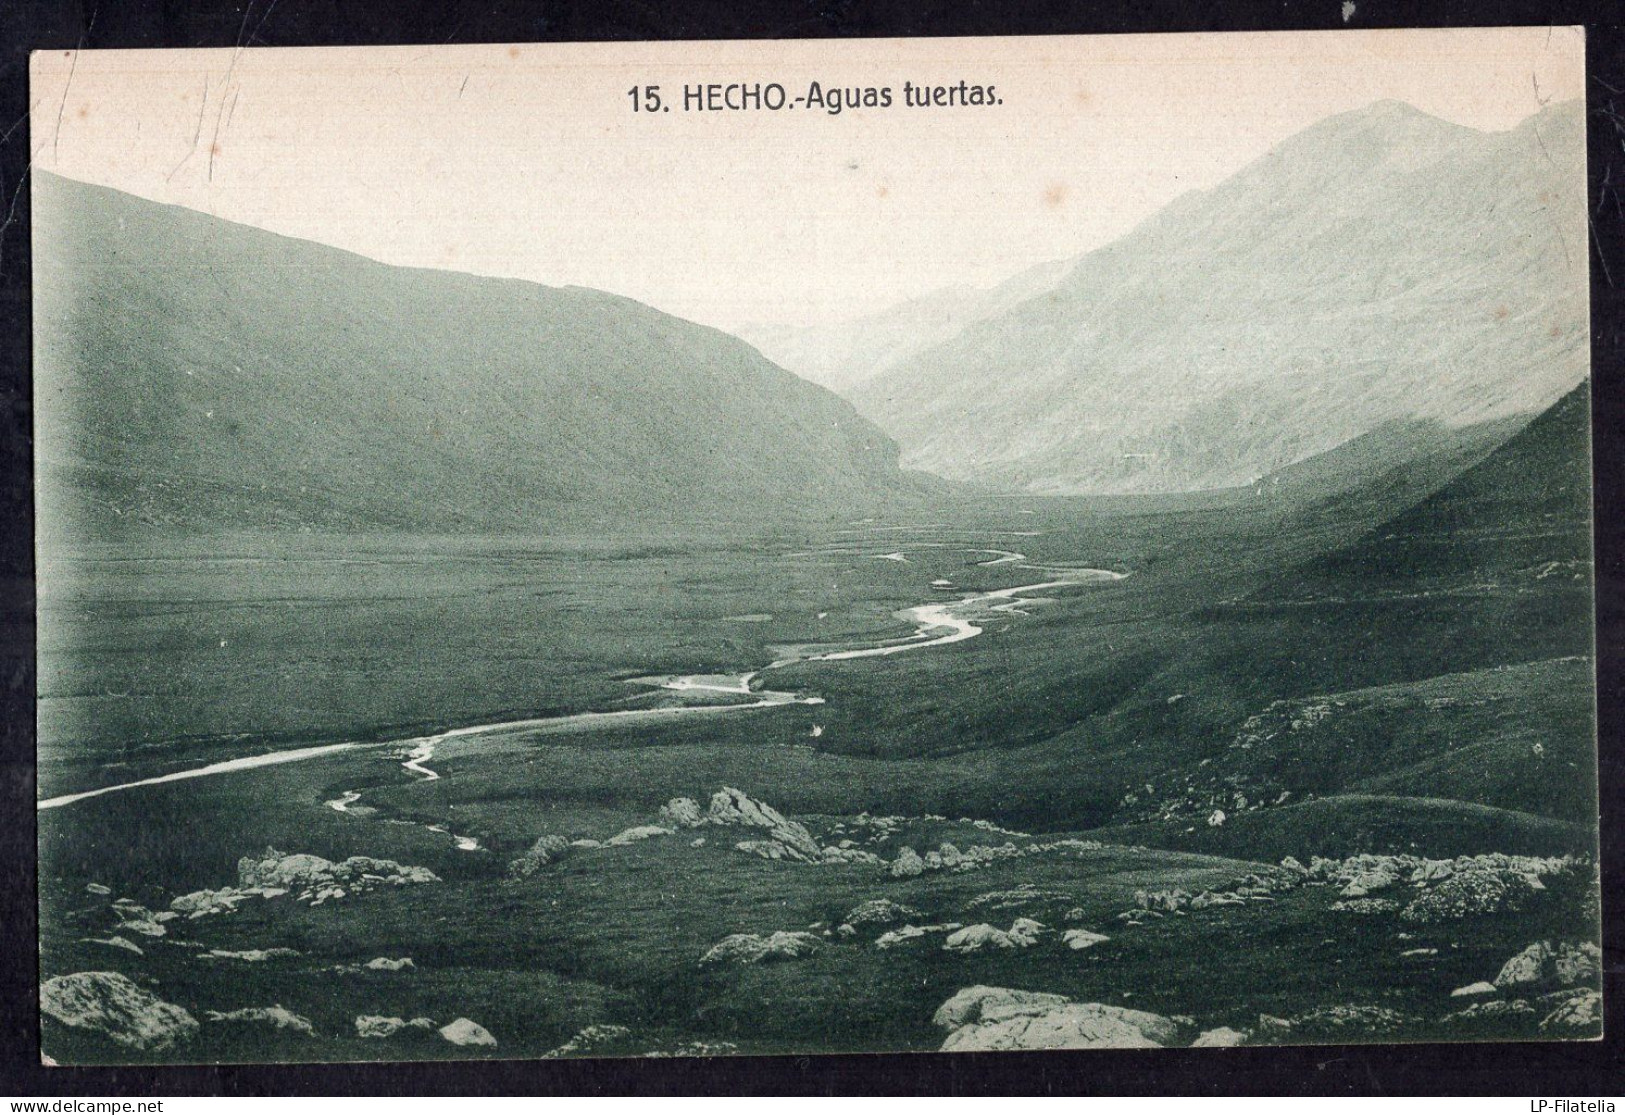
(251, 956)
(465, 1031)
(316, 880)
(111, 1005)
(1473, 990)
(851, 855)
(735, 807)
(600, 1041)
(274, 869)
(385, 964)
(1222, 1038)
(1576, 1013)
(134, 918)
(1342, 1021)
(1367, 881)
(1494, 1008)
(1565, 964)
(205, 903)
(1469, 892)
(276, 1017)
(1023, 933)
(907, 864)
(1273, 1030)
(878, 913)
(636, 835)
(1024, 895)
(983, 1018)
(380, 1026)
(117, 942)
(1365, 906)
(894, 937)
(546, 849)
(683, 813)
(752, 948)
(97, 888)
(1083, 939)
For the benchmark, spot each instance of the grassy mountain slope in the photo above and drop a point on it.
(1382, 266)
(196, 372)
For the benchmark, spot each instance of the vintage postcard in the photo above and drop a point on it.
(798, 547)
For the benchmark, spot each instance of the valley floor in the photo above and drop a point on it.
(1112, 795)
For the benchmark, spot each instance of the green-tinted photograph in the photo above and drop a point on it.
(705, 549)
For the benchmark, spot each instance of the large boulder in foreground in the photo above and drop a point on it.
(983, 1018)
(1564, 964)
(111, 1005)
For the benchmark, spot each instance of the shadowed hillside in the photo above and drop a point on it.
(199, 373)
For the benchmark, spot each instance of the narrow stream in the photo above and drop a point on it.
(936, 624)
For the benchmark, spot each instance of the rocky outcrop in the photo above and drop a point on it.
(1343, 1021)
(1469, 892)
(752, 948)
(1222, 1038)
(209, 903)
(907, 864)
(1575, 1014)
(984, 1018)
(546, 850)
(316, 880)
(1544, 964)
(382, 1026)
(135, 918)
(682, 813)
(251, 956)
(277, 1018)
(116, 942)
(637, 835)
(1440, 890)
(465, 1031)
(596, 1041)
(1023, 933)
(1473, 990)
(1083, 939)
(1024, 895)
(112, 1006)
(737, 808)
(852, 855)
(966, 1007)
(386, 964)
(877, 914)
(894, 937)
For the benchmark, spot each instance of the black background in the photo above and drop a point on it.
(1544, 1069)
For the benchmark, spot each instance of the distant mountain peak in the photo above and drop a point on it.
(1381, 265)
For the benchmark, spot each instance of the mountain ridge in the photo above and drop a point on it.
(1379, 265)
(193, 370)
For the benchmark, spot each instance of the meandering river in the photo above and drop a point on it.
(935, 624)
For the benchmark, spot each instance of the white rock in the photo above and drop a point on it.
(466, 1032)
(1482, 987)
(1082, 938)
(109, 1004)
(1221, 1038)
(640, 833)
(276, 1017)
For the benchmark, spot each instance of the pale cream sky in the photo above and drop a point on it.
(529, 162)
